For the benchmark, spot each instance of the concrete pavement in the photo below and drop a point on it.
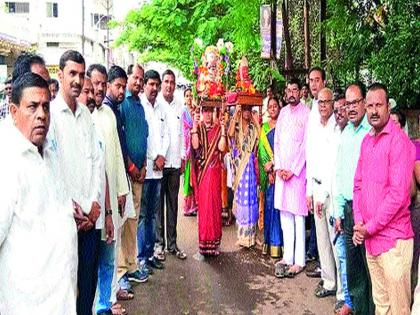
(239, 281)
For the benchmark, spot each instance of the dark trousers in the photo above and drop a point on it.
(166, 219)
(312, 244)
(231, 196)
(358, 278)
(87, 271)
(146, 230)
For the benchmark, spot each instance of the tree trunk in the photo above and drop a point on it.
(322, 39)
(307, 35)
(289, 56)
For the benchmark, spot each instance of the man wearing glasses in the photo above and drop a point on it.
(319, 158)
(345, 306)
(317, 81)
(348, 156)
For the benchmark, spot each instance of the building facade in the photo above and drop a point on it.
(54, 26)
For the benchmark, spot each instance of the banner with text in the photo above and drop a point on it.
(265, 29)
(279, 32)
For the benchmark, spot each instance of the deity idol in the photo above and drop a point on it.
(209, 83)
(243, 81)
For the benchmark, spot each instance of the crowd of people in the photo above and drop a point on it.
(92, 173)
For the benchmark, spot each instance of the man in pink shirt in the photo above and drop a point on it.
(290, 188)
(381, 199)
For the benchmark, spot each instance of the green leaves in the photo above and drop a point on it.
(376, 41)
(164, 30)
(371, 40)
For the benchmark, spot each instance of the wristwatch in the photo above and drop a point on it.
(108, 212)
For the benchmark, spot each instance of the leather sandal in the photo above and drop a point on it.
(124, 295)
(280, 270)
(117, 309)
(321, 292)
(294, 271)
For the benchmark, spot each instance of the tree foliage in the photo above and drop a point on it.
(164, 30)
(376, 41)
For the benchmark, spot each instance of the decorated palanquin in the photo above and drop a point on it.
(212, 69)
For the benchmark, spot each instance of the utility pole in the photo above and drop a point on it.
(108, 8)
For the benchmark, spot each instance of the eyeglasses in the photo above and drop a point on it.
(354, 103)
(326, 102)
(340, 109)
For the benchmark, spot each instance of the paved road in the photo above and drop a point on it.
(239, 281)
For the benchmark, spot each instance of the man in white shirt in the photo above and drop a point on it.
(157, 148)
(36, 219)
(316, 83)
(106, 127)
(320, 148)
(73, 132)
(168, 210)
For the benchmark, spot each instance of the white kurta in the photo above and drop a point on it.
(289, 154)
(106, 127)
(38, 235)
(75, 137)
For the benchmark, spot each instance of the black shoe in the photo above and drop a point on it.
(309, 257)
(154, 263)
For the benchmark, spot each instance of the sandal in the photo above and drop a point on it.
(280, 270)
(117, 309)
(178, 253)
(294, 271)
(321, 292)
(124, 295)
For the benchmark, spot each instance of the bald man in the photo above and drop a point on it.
(319, 158)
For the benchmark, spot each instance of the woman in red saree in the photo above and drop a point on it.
(208, 140)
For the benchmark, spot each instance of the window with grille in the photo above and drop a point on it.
(52, 9)
(99, 21)
(17, 7)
